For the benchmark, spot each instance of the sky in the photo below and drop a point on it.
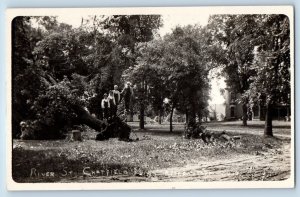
(170, 21)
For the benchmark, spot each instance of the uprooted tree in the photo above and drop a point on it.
(59, 108)
(45, 101)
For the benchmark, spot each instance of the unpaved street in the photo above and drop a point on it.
(270, 165)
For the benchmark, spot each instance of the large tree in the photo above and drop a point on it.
(149, 77)
(176, 67)
(125, 32)
(257, 51)
(271, 82)
(188, 61)
(25, 79)
(237, 35)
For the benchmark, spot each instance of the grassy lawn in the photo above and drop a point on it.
(149, 158)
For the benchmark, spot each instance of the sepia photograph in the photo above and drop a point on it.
(114, 98)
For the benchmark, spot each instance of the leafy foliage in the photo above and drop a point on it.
(257, 54)
(272, 62)
(271, 83)
(53, 113)
(175, 67)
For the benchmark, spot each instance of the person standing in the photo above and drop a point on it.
(105, 105)
(127, 93)
(116, 95)
(112, 104)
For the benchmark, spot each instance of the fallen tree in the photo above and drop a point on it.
(59, 108)
(198, 131)
(115, 128)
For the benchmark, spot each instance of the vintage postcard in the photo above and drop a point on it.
(150, 98)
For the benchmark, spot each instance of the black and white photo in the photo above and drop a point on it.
(155, 98)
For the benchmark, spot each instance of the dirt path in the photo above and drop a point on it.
(271, 165)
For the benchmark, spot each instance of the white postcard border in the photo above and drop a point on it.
(11, 13)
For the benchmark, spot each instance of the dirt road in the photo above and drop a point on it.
(271, 165)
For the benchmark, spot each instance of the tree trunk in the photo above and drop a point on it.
(105, 130)
(142, 116)
(86, 118)
(245, 115)
(142, 107)
(159, 116)
(131, 110)
(268, 121)
(193, 115)
(171, 119)
(262, 112)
